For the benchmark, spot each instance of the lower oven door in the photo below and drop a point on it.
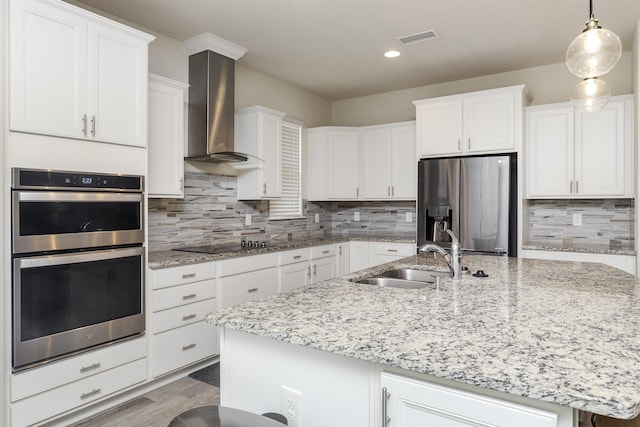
(70, 302)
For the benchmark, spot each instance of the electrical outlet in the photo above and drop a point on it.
(577, 219)
(291, 406)
(317, 218)
(408, 216)
(247, 219)
(356, 216)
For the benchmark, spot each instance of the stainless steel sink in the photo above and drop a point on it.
(416, 275)
(389, 282)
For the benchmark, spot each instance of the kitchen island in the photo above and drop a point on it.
(548, 335)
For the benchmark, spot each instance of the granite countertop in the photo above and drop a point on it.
(165, 259)
(585, 248)
(561, 332)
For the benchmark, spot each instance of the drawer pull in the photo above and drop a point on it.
(326, 252)
(188, 347)
(251, 290)
(89, 368)
(189, 276)
(297, 257)
(190, 296)
(90, 393)
(189, 317)
(392, 250)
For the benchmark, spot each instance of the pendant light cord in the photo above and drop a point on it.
(590, 9)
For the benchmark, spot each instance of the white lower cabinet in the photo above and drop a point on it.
(181, 299)
(343, 259)
(301, 267)
(623, 262)
(414, 403)
(323, 263)
(247, 278)
(369, 254)
(46, 392)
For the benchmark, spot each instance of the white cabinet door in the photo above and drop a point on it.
(383, 252)
(580, 155)
(358, 256)
(439, 127)
(323, 269)
(240, 288)
(375, 157)
(317, 164)
(600, 151)
(47, 72)
(166, 137)
(414, 403)
(77, 75)
(294, 275)
(343, 259)
(404, 167)
(550, 151)
(343, 164)
(258, 133)
(117, 106)
(490, 122)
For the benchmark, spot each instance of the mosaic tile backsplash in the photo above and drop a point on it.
(211, 214)
(605, 222)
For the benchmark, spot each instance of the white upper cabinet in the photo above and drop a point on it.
(166, 137)
(573, 154)
(367, 163)
(75, 74)
(488, 121)
(388, 162)
(258, 133)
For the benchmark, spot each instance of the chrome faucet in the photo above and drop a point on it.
(454, 261)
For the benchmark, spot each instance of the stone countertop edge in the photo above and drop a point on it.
(165, 259)
(557, 331)
(601, 250)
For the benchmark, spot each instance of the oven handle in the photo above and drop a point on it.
(77, 257)
(64, 196)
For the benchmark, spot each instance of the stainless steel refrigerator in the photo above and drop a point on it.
(473, 196)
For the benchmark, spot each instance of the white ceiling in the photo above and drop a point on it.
(334, 48)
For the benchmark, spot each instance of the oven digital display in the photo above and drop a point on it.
(86, 180)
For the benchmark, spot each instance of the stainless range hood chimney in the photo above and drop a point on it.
(211, 102)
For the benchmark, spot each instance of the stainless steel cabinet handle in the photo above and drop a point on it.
(309, 272)
(297, 257)
(264, 189)
(90, 393)
(393, 191)
(314, 270)
(188, 346)
(577, 191)
(93, 125)
(570, 187)
(181, 184)
(357, 191)
(392, 250)
(89, 368)
(339, 250)
(190, 296)
(189, 276)
(326, 252)
(388, 191)
(84, 124)
(459, 145)
(469, 144)
(252, 290)
(188, 317)
(385, 398)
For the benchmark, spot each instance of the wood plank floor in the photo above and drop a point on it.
(158, 407)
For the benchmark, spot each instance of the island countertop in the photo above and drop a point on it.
(561, 332)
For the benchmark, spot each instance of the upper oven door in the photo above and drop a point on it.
(62, 220)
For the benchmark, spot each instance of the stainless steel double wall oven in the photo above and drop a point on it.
(78, 262)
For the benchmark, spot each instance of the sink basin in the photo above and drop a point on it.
(415, 275)
(390, 282)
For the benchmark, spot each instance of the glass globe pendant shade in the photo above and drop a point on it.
(591, 94)
(594, 52)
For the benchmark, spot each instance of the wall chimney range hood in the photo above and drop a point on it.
(211, 100)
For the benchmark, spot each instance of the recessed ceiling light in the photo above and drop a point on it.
(392, 54)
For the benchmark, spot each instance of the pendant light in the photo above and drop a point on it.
(591, 54)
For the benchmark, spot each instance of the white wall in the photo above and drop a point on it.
(547, 84)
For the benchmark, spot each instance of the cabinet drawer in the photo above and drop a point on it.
(180, 347)
(248, 286)
(323, 251)
(399, 249)
(229, 267)
(181, 295)
(75, 368)
(296, 255)
(166, 277)
(78, 393)
(183, 315)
